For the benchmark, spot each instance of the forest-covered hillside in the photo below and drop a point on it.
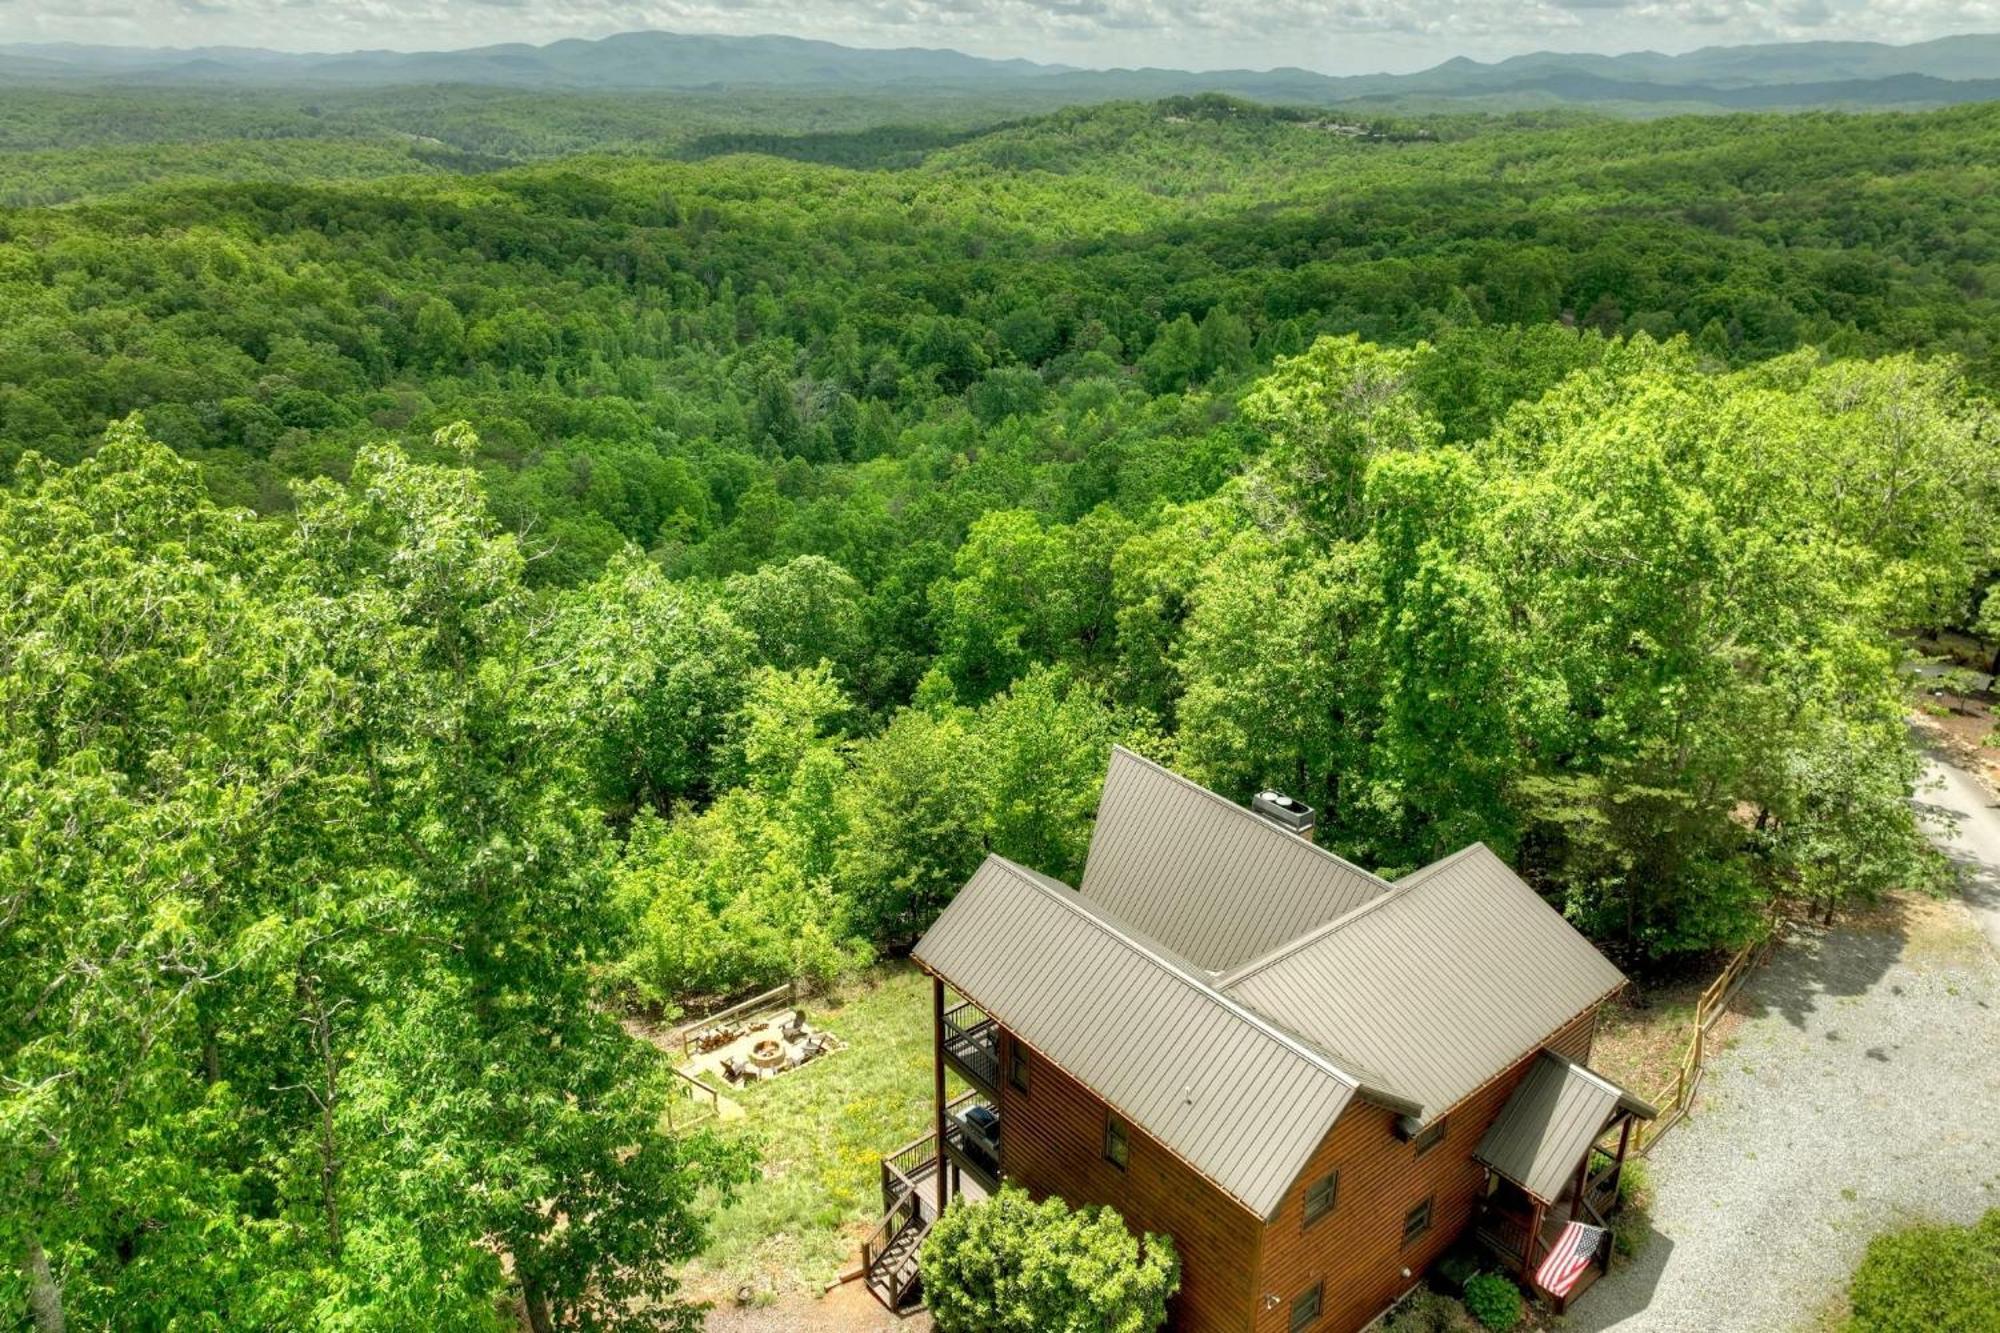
(441, 612)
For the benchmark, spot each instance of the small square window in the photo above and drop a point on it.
(1117, 1149)
(1320, 1196)
(1305, 1306)
(1017, 1068)
(1431, 1137)
(1418, 1220)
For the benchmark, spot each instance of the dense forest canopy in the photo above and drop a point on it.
(440, 612)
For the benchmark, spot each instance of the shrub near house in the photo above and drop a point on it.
(1012, 1265)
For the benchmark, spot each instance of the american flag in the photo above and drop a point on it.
(1568, 1257)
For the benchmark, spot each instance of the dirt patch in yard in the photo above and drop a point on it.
(848, 1308)
(1643, 1033)
(1971, 738)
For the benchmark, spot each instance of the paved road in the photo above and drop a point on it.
(1856, 1094)
(1967, 824)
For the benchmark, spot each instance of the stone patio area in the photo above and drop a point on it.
(762, 1047)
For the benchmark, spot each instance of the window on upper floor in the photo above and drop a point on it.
(1430, 1136)
(1320, 1196)
(1017, 1068)
(1117, 1148)
(1306, 1306)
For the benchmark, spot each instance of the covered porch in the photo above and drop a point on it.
(959, 1156)
(1554, 1156)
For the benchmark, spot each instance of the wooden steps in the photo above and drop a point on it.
(889, 1256)
(893, 1275)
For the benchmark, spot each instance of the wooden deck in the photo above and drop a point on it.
(909, 1205)
(972, 1047)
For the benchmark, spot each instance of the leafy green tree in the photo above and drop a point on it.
(915, 810)
(1278, 669)
(805, 611)
(1011, 1265)
(328, 911)
(1837, 824)
(651, 673)
(1327, 413)
(1174, 360)
(1447, 749)
(1042, 748)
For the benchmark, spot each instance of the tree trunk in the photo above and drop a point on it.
(537, 1306)
(211, 1055)
(329, 1143)
(44, 1296)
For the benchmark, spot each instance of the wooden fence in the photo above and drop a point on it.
(1674, 1100)
(785, 994)
(707, 1101)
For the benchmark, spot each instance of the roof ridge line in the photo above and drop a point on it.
(1397, 891)
(1245, 812)
(1271, 1030)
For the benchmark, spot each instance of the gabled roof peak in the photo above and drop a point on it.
(1206, 877)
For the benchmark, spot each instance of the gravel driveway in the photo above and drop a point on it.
(1858, 1093)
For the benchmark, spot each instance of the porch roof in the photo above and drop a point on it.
(1550, 1122)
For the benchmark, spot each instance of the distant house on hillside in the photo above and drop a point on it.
(1315, 1080)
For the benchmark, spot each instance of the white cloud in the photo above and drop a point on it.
(1340, 36)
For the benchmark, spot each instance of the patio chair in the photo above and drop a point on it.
(795, 1026)
(736, 1069)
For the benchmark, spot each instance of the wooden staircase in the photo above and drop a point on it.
(889, 1255)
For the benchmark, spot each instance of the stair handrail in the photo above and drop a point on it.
(900, 1217)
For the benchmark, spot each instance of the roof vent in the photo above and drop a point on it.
(1288, 814)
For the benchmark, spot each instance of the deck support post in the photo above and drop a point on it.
(937, 1087)
(1618, 1168)
(1582, 1184)
(1532, 1255)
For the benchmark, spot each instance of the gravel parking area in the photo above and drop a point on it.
(1857, 1094)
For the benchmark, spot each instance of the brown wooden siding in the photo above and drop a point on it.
(1358, 1249)
(1052, 1142)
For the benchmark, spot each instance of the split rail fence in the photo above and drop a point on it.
(1674, 1100)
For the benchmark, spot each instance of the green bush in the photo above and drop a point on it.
(1635, 1183)
(1011, 1265)
(1930, 1279)
(1494, 1301)
(1425, 1311)
(1458, 1268)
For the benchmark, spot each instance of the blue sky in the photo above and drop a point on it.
(1337, 36)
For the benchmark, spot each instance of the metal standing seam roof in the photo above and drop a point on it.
(1550, 1122)
(1436, 986)
(1240, 1100)
(1204, 876)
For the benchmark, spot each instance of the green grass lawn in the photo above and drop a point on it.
(820, 1132)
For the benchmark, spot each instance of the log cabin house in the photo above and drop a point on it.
(1315, 1080)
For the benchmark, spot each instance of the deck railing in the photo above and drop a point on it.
(973, 1043)
(902, 1214)
(1507, 1234)
(915, 1162)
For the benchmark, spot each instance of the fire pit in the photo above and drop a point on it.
(768, 1053)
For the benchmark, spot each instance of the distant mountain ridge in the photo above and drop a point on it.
(1948, 69)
